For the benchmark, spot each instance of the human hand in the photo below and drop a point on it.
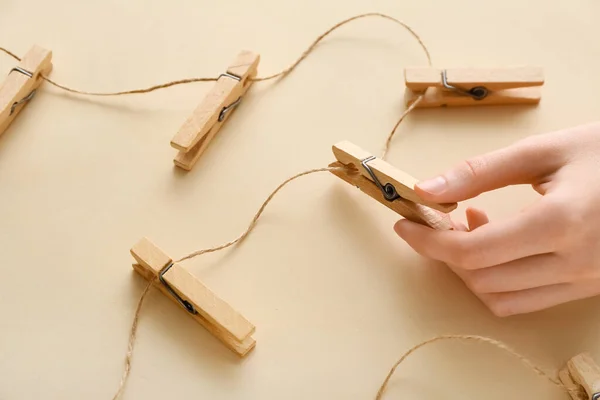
(547, 254)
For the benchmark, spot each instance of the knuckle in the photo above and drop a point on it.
(580, 271)
(474, 166)
(554, 205)
(458, 258)
(529, 143)
(466, 255)
(572, 274)
(531, 147)
(476, 282)
(563, 223)
(591, 272)
(574, 217)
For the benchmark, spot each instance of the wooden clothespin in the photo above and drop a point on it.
(200, 128)
(388, 185)
(21, 84)
(581, 376)
(214, 314)
(473, 86)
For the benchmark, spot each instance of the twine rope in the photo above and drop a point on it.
(482, 339)
(133, 332)
(282, 73)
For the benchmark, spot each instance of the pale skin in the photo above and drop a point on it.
(545, 255)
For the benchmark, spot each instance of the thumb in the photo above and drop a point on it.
(527, 161)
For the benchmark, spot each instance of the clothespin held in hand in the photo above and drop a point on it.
(388, 185)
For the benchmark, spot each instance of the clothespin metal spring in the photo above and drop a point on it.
(224, 111)
(477, 93)
(26, 98)
(23, 100)
(388, 190)
(228, 108)
(186, 304)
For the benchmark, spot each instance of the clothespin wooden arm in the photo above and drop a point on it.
(581, 376)
(473, 86)
(388, 185)
(21, 84)
(350, 154)
(214, 314)
(419, 79)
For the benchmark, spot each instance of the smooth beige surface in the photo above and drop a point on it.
(334, 295)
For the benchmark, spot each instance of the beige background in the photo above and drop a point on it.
(335, 296)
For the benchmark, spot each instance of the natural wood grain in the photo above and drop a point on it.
(436, 97)
(348, 153)
(576, 391)
(244, 65)
(199, 129)
(585, 372)
(206, 115)
(409, 210)
(419, 79)
(218, 317)
(17, 86)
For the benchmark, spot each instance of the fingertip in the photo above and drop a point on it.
(476, 218)
(475, 210)
(405, 228)
(423, 239)
(400, 227)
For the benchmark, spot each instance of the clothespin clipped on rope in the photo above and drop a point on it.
(205, 307)
(200, 128)
(388, 185)
(581, 376)
(21, 84)
(473, 86)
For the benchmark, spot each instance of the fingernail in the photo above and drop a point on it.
(437, 185)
